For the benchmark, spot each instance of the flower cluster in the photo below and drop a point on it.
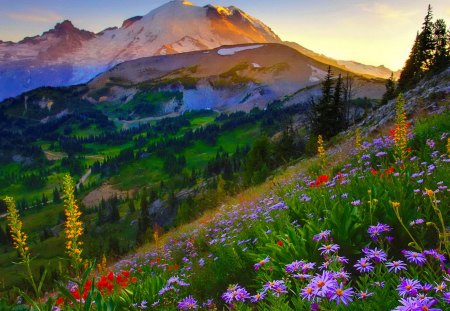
(15, 224)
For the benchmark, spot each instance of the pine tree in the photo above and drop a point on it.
(144, 221)
(412, 71)
(322, 112)
(338, 106)
(426, 42)
(390, 90)
(441, 58)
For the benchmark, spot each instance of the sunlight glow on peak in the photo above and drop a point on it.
(188, 3)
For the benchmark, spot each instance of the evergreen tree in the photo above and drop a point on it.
(144, 221)
(390, 90)
(338, 106)
(56, 196)
(412, 71)
(441, 58)
(426, 42)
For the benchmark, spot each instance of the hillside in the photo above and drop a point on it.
(348, 218)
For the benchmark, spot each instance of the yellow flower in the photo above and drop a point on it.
(15, 225)
(429, 192)
(320, 147)
(73, 226)
(395, 204)
(358, 139)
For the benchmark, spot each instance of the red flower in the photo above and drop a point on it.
(175, 266)
(319, 181)
(374, 172)
(133, 279)
(280, 243)
(59, 301)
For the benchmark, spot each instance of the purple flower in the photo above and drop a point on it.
(363, 265)
(376, 255)
(356, 202)
(342, 295)
(258, 297)
(440, 287)
(261, 263)
(364, 295)
(308, 293)
(408, 287)
(323, 284)
(324, 235)
(277, 287)
(235, 292)
(329, 248)
(396, 266)
(446, 297)
(414, 257)
(376, 231)
(188, 303)
(294, 267)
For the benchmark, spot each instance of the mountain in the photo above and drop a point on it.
(227, 78)
(362, 69)
(67, 55)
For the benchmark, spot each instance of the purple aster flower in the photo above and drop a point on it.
(294, 267)
(261, 263)
(435, 254)
(363, 265)
(446, 297)
(235, 292)
(408, 287)
(188, 303)
(440, 287)
(208, 304)
(302, 276)
(364, 295)
(324, 235)
(376, 231)
(328, 249)
(414, 257)
(323, 284)
(408, 304)
(277, 287)
(258, 297)
(342, 275)
(308, 293)
(396, 266)
(376, 255)
(342, 295)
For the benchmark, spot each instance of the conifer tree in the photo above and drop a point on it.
(390, 90)
(338, 106)
(426, 42)
(441, 58)
(411, 72)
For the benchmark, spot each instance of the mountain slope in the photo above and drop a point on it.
(66, 55)
(73, 56)
(227, 78)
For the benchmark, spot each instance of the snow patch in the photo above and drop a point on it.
(232, 51)
(255, 65)
(317, 74)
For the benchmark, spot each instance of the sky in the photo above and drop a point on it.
(374, 32)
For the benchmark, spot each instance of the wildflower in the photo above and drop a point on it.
(294, 266)
(396, 266)
(320, 147)
(357, 139)
(414, 257)
(323, 284)
(15, 225)
(235, 292)
(329, 248)
(277, 287)
(308, 293)
(261, 263)
(376, 255)
(363, 265)
(429, 192)
(446, 296)
(258, 297)
(342, 295)
(324, 235)
(364, 295)
(74, 227)
(401, 128)
(440, 287)
(280, 243)
(376, 231)
(373, 172)
(188, 303)
(408, 287)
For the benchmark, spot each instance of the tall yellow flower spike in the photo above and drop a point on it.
(320, 146)
(73, 226)
(400, 136)
(15, 224)
(358, 139)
